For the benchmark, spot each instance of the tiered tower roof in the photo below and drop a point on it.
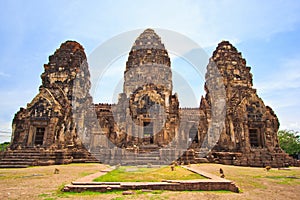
(232, 65)
(147, 49)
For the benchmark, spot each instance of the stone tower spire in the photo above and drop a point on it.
(147, 49)
(148, 63)
(232, 65)
(63, 67)
(249, 123)
(48, 120)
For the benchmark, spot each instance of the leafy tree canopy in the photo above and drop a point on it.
(4, 145)
(289, 141)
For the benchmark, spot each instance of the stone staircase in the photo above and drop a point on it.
(142, 155)
(150, 158)
(16, 163)
(22, 158)
(33, 157)
(263, 158)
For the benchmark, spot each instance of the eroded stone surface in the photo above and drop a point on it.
(46, 125)
(250, 126)
(61, 122)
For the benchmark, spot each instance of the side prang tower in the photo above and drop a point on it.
(250, 132)
(46, 127)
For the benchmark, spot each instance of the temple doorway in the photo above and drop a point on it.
(193, 135)
(39, 136)
(253, 136)
(148, 132)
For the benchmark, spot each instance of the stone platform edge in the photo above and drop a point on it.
(212, 183)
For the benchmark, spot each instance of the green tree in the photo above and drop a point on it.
(289, 141)
(3, 146)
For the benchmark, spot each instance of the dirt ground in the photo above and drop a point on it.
(41, 183)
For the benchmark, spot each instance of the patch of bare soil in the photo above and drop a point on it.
(39, 182)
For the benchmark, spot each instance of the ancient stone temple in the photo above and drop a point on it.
(146, 125)
(45, 129)
(250, 134)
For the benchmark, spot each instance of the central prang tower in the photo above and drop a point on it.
(147, 110)
(148, 62)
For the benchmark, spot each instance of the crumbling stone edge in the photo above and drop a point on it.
(212, 183)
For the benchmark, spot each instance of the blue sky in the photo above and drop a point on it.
(266, 32)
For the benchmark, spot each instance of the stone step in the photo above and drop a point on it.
(95, 183)
(34, 151)
(14, 166)
(151, 148)
(147, 152)
(24, 154)
(28, 151)
(3, 163)
(37, 157)
(99, 188)
(148, 155)
(17, 159)
(148, 158)
(80, 160)
(142, 162)
(35, 154)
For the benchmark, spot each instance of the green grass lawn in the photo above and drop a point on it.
(133, 174)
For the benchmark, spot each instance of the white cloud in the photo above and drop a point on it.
(3, 74)
(286, 76)
(5, 130)
(281, 90)
(207, 22)
(291, 125)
